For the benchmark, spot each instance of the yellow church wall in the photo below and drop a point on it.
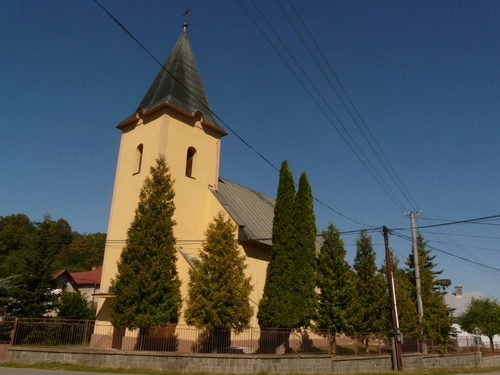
(169, 132)
(257, 259)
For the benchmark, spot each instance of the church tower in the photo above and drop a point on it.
(173, 119)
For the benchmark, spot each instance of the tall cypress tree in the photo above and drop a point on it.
(147, 287)
(336, 284)
(218, 290)
(305, 255)
(277, 308)
(371, 289)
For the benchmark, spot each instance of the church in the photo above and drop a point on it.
(174, 119)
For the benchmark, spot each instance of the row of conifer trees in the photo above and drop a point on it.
(304, 287)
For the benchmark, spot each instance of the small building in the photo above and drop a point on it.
(64, 282)
(89, 283)
(458, 303)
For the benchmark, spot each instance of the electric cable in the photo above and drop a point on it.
(213, 113)
(373, 170)
(404, 191)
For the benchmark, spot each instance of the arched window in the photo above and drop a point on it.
(191, 152)
(138, 159)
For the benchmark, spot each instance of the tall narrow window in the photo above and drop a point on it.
(191, 152)
(138, 159)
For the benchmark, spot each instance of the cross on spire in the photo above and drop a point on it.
(186, 14)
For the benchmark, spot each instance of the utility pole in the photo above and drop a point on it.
(395, 323)
(420, 307)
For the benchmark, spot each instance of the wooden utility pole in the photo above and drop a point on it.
(395, 323)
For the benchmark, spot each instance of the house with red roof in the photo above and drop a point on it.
(88, 283)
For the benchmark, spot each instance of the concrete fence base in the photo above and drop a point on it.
(239, 364)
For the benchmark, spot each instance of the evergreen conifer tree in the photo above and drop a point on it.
(406, 307)
(435, 323)
(305, 255)
(372, 299)
(34, 283)
(218, 290)
(276, 307)
(336, 284)
(147, 286)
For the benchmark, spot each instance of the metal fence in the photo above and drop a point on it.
(187, 339)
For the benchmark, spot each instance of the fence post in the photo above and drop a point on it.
(13, 332)
(85, 331)
(329, 342)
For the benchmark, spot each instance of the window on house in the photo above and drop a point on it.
(138, 159)
(191, 152)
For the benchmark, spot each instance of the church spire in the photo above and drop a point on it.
(178, 84)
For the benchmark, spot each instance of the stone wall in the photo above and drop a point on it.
(214, 363)
(241, 363)
(490, 361)
(352, 364)
(416, 361)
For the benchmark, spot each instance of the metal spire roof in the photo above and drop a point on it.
(179, 84)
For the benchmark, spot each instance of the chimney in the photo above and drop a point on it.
(458, 290)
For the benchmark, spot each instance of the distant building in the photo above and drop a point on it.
(64, 282)
(89, 283)
(458, 302)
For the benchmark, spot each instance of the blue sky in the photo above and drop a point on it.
(423, 75)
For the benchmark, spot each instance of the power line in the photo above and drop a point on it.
(213, 113)
(380, 181)
(452, 255)
(455, 246)
(467, 235)
(458, 247)
(468, 221)
(398, 183)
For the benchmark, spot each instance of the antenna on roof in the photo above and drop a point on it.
(185, 23)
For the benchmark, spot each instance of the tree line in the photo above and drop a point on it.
(30, 253)
(304, 287)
